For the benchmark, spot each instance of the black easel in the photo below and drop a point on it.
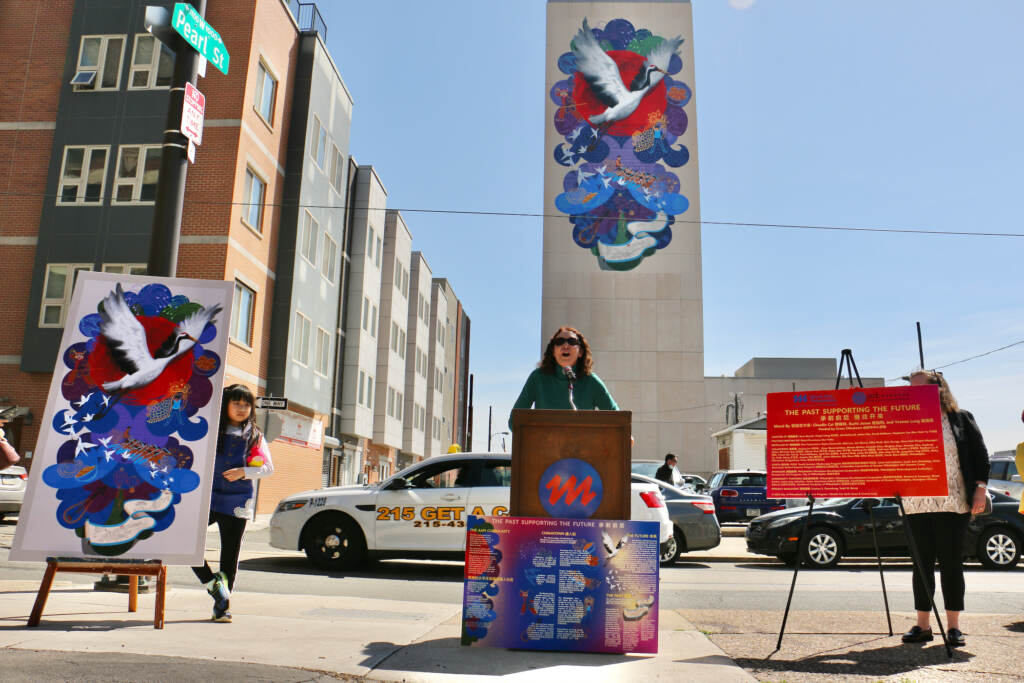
(845, 358)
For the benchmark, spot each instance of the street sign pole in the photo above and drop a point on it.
(170, 192)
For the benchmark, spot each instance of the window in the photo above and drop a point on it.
(337, 169)
(391, 402)
(377, 259)
(300, 343)
(242, 308)
(373, 321)
(330, 261)
(443, 475)
(310, 237)
(369, 391)
(135, 179)
(440, 333)
(318, 142)
(369, 243)
(495, 474)
(82, 175)
(152, 63)
(126, 268)
(401, 344)
(255, 191)
(362, 380)
(323, 351)
(266, 93)
(60, 282)
(399, 405)
(366, 314)
(99, 63)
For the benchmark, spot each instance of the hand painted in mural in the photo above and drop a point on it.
(621, 114)
(133, 390)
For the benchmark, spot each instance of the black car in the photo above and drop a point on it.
(841, 527)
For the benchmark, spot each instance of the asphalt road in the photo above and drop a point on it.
(759, 583)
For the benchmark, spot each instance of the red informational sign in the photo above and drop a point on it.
(192, 112)
(874, 442)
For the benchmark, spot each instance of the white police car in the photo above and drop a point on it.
(419, 512)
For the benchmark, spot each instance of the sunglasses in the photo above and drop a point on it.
(571, 341)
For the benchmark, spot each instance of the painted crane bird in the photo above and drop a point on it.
(602, 74)
(126, 339)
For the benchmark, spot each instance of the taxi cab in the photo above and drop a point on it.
(419, 512)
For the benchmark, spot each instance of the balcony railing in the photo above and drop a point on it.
(308, 17)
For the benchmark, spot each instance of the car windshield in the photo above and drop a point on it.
(647, 469)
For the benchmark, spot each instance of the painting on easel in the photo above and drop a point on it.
(125, 454)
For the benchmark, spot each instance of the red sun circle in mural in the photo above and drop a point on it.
(103, 369)
(630, 64)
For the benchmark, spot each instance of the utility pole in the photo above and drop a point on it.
(170, 191)
(490, 414)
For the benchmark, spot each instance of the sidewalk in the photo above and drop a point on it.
(302, 638)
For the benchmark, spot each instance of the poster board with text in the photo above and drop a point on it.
(877, 441)
(579, 585)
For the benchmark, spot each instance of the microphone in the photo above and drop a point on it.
(570, 375)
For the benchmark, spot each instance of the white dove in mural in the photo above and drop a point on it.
(602, 73)
(128, 347)
(612, 548)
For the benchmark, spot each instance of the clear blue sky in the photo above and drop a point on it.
(872, 114)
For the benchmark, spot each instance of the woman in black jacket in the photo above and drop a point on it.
(939, 523)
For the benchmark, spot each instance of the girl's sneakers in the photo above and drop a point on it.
(219, 591)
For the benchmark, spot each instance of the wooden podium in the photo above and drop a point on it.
(601, 438)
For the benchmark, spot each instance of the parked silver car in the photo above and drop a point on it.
(1003, 475)
(694, 524)
(12, 489)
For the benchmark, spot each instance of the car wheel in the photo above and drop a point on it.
(334, 542)
(999, 548)
(824, 548)
(669, 551)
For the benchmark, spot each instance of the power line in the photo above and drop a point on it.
(528, 214)
(964, 360)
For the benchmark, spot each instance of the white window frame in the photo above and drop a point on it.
(82, 182)
(253, 176)
(390, 410)
(310, 237)
(337, 171)
(322, 351)
(136, 183)
(96, 85)
(126, 268)
(373, 320)
(236, 309)
(369, 391)
(152, 69)
(264, 74)
(318, 144)
(399, 405)
(301, 339)
(366, 313)
(62, 302)
(329, 263)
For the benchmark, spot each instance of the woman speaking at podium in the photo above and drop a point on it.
(564, 379)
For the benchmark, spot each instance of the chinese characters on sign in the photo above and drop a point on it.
(878, 441)
(583, 585)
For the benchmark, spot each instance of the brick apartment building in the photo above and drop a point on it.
(332, 307)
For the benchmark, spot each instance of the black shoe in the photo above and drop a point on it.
(918, 635)
(955, 637)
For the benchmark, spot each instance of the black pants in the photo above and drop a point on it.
(231, 530)
(940, 535)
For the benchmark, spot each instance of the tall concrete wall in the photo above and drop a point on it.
(622, 258)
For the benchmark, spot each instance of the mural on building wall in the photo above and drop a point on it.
(131, 420)
(621, 113)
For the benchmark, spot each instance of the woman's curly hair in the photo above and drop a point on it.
(584, 363)
(946, 399)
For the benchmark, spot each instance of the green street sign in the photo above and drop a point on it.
(200, 35)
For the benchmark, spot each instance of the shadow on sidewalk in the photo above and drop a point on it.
(883, 661)
(447, 656)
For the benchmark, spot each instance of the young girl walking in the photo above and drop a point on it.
(242, 457)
